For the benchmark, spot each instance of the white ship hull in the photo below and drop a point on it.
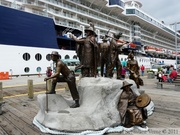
(40, 26)
(11, 59)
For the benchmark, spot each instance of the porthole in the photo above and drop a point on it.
(67, 57)
(48, 57)
(59, 56)
(26, 56)
(38, 69)
(74, 57)
(26, 69)
(38, 56)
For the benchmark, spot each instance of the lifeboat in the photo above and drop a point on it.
(173, 54)
(132, 45)
(120, 41)
(169, 53)
(178, 55)
(150, 49)
(165, 52)
(159, 51)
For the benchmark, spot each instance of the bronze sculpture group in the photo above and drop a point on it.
(91, 55)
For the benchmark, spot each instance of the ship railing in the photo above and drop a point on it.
(39, 13)
(6, 4)
(80, 11)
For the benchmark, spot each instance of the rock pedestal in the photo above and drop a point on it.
(99, 98)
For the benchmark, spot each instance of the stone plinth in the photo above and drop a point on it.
(98, 98)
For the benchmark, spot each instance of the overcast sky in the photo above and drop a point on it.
(163, 10)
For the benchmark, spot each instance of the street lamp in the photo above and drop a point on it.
(175, 28)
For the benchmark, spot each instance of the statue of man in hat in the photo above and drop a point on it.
(67, 76)
(130, 113)
(89, 52)
(113, 56)
(133, 68)
(105, 52)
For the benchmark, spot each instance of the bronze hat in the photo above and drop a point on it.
(55, 53)
(104, 39)
(125, 83)
(143, 100)
(130, 55)
(118, 35)
(91, 28)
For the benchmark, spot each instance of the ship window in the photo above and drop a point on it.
(74, 57)
(59, 56)
(67, 57)
(38, 56)
(38, 69)
(26, 56)
(48, 57)
(26, 69)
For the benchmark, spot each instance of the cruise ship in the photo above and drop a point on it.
(31, 29)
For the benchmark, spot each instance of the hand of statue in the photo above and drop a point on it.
(132, 72)
(70, 35)
(45, 79)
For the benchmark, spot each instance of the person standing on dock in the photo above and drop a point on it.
(48, 72)
(67, 76)
(142, 70)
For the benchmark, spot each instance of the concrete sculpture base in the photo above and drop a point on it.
(98, 98)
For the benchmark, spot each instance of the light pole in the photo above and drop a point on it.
(175, 28)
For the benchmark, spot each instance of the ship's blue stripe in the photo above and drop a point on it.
(25, 29)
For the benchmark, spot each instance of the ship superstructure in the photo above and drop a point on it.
(139, 28)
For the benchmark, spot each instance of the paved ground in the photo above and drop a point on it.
(22, 80)
(166, 100)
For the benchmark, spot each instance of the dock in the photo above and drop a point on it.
(19, 111)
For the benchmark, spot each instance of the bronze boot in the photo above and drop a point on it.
(76, 104)
(52, 91)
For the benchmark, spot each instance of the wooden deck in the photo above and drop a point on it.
(19, 111)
